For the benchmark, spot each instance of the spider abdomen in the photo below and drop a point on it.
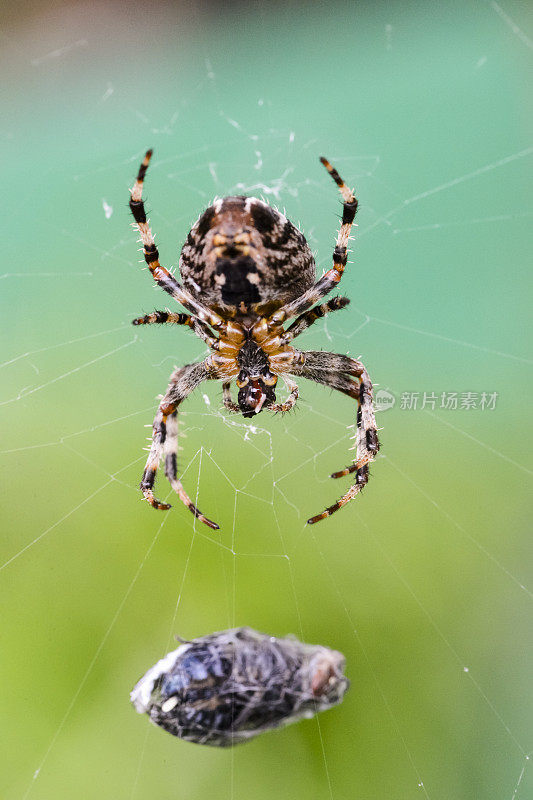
(241, 254)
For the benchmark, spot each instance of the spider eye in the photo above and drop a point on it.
(242, 380)
(270, 380)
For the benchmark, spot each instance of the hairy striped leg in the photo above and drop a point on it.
(165, 438)
(338, 372)
(228, 401)
(309, 317)
(170, 454)
(331, 278)
(163, 317)
(289, 402)
(366, 437)
(162, 276)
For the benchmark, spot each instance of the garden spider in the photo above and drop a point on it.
(246, 270)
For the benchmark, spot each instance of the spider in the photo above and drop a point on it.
(247, 270)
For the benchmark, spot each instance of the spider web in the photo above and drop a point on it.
(429, 598)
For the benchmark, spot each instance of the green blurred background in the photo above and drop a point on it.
(425, 582)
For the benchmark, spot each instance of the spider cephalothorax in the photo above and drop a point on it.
(247, 270)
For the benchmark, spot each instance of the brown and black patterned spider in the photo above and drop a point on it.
(246, 270)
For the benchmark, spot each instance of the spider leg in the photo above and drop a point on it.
(309, 317)
(162, 276)
(367, 438)
(171, 469)
(165, 438)
(345, 471)
(330, 279)
(228, 400)
(338, 372)
(361, 479)
(362, 447)
(289, 402)
(162, 317)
